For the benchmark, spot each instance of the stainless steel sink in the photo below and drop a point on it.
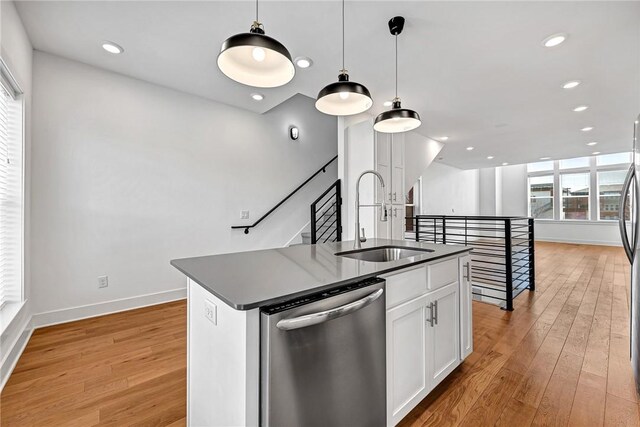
(384, 253)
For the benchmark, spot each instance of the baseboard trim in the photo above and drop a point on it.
(10, 362)
(72, 314)
(295, 236)
(580, 242)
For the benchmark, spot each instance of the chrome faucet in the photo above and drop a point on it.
(383, 208)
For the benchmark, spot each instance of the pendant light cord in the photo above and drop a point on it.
(396, 65)
(343, 35)
(257, 20)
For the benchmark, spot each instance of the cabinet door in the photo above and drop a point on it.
(407, 378)
(383, 148)
(466, 317)
(384, 171)
(397, 147)
(383, 165)
(443, 335)
(397, 222)
(397, 186)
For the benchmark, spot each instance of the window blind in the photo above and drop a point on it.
(10, 196)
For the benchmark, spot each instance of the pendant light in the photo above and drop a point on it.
(397, 119)
(255, 59)
(344, 97)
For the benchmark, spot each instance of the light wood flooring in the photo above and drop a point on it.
(561, 358)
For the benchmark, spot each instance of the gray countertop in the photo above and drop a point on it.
(246, 280)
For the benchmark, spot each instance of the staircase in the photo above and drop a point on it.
(326, 218)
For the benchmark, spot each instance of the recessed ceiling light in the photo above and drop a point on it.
(303, 62)
(554, 40)
(580, 108)
(587, 129)
(489, 157)
(595, 152)
(257, 96)
(112, 47)
(592, 143)
(469, 148)
(443, 138)
(545, 158)
(505, 164)
(387, 103)
(571, 84)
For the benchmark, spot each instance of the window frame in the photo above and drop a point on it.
(553, 197)
(594, 191)
(10, 307)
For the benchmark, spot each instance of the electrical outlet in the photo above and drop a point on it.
(211, 311)
(103, 281)
(244, 214)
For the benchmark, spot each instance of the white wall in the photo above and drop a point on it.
(488, 197)
(16, 51)
(420, 152)
(514, 198)
(450, 191)
(129, 175)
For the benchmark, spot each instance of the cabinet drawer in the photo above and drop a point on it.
(442, 273)
(404, 286)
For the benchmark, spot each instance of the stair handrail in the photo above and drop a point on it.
(323, 169)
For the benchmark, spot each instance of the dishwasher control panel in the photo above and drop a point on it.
(276, 308)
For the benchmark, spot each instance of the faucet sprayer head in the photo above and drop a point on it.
(383, 210)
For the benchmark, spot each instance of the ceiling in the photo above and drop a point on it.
(475, 71)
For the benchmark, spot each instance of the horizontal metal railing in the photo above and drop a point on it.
(503, 253)
(326, 216)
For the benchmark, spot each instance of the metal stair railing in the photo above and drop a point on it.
(323, 169)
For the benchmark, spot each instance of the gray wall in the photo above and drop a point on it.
(129, 175)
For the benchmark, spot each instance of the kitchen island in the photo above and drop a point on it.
(425, 331)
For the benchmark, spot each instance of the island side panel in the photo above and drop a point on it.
(223, 358)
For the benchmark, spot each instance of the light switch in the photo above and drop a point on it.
(211, 311)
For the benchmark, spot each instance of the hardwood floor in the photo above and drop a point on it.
(561, 358)
(123, 369)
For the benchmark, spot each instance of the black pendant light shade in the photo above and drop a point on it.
(255, 59)
(344, 98)
(397, 119)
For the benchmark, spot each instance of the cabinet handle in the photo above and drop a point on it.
(436, 311)
(394, 196)
(468, 272)
(430, 318)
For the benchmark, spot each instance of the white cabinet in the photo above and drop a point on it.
(389, 154)
(466, 297)
(443, 332)
(427, 324)
(406, 358)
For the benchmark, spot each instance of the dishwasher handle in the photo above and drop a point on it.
(324, 316)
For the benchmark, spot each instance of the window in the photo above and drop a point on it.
(575, 195)
(609, 191)
(580, 162)
(614, 159)
(567, 189)
(541, 197)
(540, 166)
(11, 189)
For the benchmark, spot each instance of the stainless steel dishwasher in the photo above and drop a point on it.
(323, 358)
